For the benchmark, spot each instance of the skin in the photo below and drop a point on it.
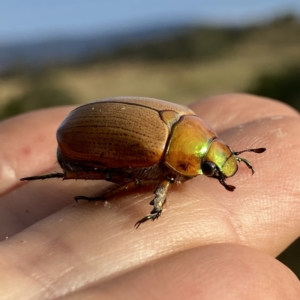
(209, 243)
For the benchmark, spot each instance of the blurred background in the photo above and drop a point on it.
(71, 52)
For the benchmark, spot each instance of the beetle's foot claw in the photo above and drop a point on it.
(97, 198)
(149, 217)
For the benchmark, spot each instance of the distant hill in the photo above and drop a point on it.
(205, 42)
(180, 63)
(196, 42)
(70, 50)
(172, 42)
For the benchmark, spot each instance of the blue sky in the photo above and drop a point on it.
(22, 20)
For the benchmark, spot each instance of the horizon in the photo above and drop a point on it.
(40, 22)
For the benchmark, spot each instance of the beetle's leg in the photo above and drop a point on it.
(112, 191)
(158, 202)
(42, 177)
(96, 198)
(228, 187)
(116, 189)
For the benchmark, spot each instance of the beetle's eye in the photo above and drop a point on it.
(209, 168)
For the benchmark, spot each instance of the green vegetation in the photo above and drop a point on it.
(199, 43)
(35, 98)
(283, 85)
(290, 257)
(39, 93)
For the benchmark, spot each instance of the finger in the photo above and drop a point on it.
(28, 148)
(229, 110)
(29, 145)
(219, 271)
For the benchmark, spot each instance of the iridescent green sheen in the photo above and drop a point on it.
(189, 142)
(193, 142)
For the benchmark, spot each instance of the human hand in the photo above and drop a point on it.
(208, 244)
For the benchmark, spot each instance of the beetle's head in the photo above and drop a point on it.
(219, 162)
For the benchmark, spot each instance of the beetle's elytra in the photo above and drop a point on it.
(134, 141)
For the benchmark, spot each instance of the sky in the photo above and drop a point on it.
(30, 20)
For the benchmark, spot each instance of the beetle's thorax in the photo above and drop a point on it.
(193, 142)
(188, 144)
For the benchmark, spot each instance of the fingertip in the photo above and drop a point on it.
(227, 110)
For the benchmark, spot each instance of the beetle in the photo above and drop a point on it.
(135, 141)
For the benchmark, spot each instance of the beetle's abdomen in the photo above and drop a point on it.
(113, 134)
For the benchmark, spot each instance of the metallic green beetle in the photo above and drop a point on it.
(133, 141)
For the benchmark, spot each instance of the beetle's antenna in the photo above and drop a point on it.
(42, 177)
(244, 160)
(257, 150)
